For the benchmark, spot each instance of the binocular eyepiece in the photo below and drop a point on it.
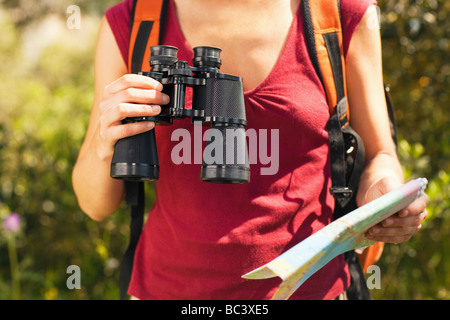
(218, 99)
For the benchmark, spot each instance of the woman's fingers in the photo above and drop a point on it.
(132, 81)
(134, 95)
(415, 208)
(407, 221)
(112, 129)
(115, 133)
(129, 96)
(133, 88)
(401, 226)
(127, 110)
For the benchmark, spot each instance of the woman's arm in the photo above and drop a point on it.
(117, 95)
(369, 118)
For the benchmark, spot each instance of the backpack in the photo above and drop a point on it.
(323, 36)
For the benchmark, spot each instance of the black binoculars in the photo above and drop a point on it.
(218, 99)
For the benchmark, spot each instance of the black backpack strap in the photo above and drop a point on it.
(391, 113)
(347, 156)
(358, 287)
(346, 147)
(310, 38)
(135, 199)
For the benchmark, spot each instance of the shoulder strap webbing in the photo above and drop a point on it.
(324, 39)
(146, 22)
(323, 33)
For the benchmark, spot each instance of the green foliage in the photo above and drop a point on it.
(416, 48)
(418, 268)
(415, 56)
(45, 98)
(25, 12)
(45, 105)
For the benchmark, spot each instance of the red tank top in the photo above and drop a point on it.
(200, 238)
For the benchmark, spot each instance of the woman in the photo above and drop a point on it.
(200, 238)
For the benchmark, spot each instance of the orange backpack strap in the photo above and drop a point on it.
(146, 22)
(371, 255)
(324, 39)
(325, 42)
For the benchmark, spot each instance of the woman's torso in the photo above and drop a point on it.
(200, 238)
(251, 34)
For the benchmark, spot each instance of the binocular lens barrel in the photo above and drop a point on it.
(163, 56)
(225, 158)
(207, 56)
(136, 158)
(217, 98)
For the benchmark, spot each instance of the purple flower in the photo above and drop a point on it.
(12, 223)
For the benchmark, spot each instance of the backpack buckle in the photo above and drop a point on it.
(341, 192)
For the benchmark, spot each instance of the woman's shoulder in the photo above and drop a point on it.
(120, 9)
(118, 17)
(356, 5)
(352, 12)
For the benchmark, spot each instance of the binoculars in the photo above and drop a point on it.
(217, 99)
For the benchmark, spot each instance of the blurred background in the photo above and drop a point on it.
(46, 91)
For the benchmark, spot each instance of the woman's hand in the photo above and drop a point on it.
(401, 226)
(117, 95)
(129, 96)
